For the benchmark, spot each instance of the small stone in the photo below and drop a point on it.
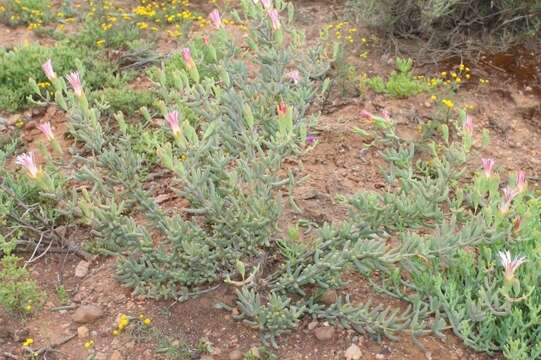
(235, 355)
(329, 297)
(324, 333)
(81, 270)
(100, 356)
(87, 313)
(380, 356)
(130, 345)
(353, 353)
(116, 355)
(312, 325)
(82, 332)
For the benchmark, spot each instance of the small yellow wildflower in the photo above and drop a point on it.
(433, 98)
(28, 342)
(453, 74)
(100, 42)
(123, 321)
(448, 103)
(443, 73)
(28, 307)
(89, 344)
(147, 321)
(115, 332)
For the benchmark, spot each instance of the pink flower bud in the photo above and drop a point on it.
(187, 56)
(281, 109)
(521, 181)
(267, 3)
(386, 114)
(508, 196)
(46, 129)
(75, 83)
(172, 120)
(275, 19)
(468, 125)
(48, 69)
(488, 164)
(27, 161)
(215, 18)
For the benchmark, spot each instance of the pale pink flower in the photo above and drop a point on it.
(267, 3)
(508, 196)
(187, 56)
(215, 18)
(172, 120)
(275, 19)
(386, 114)
(488, 164)
(468, 125)
(367, 114)
(294, 76)
(75, 83)
(27, 161)
(46, 129)
(521, 181)
(509, 264)
(48, 69)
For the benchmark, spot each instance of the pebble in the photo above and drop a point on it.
(329, 297)
(353, 353)
(87, 313)
(116, 355)
(235, 355)
(81, 270)
(82, 332)
(324, 333)
(312, 325)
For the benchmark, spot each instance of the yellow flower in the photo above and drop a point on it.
(89, 344)
(448, 103)
(115, 332)
(100, 42)
(28, 342)
(123, 321)
(147, 321)
(433, 97)
(443, 73)
(453, 74)
(458, 80)
(28, 307)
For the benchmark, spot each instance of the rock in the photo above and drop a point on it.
(116, 355)
(312, 325)
(380, 356)
(353, 353)
(81, 270)
(100, 356)
(329, 297)
(87, 313)
(324, 333)
(82, 332)
(235, 355)
(206, 357)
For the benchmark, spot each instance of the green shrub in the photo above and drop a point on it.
(449, 24)
(18, 291)
(19, 64)
(401, 83)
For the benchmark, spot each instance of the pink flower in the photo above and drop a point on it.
(468, 125)
(294, 76)
(510, 265)
(75, 82)
(367, 114)
(488, 164)
(267, 3)
(48, 69)
(508, 196)
(521, 181)
(187, 56)
(46, 129)
(215, 18)
(172, 120)
(275, 19)
(281, 109)
(386, 114)
(27, 161)
(310, 139)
